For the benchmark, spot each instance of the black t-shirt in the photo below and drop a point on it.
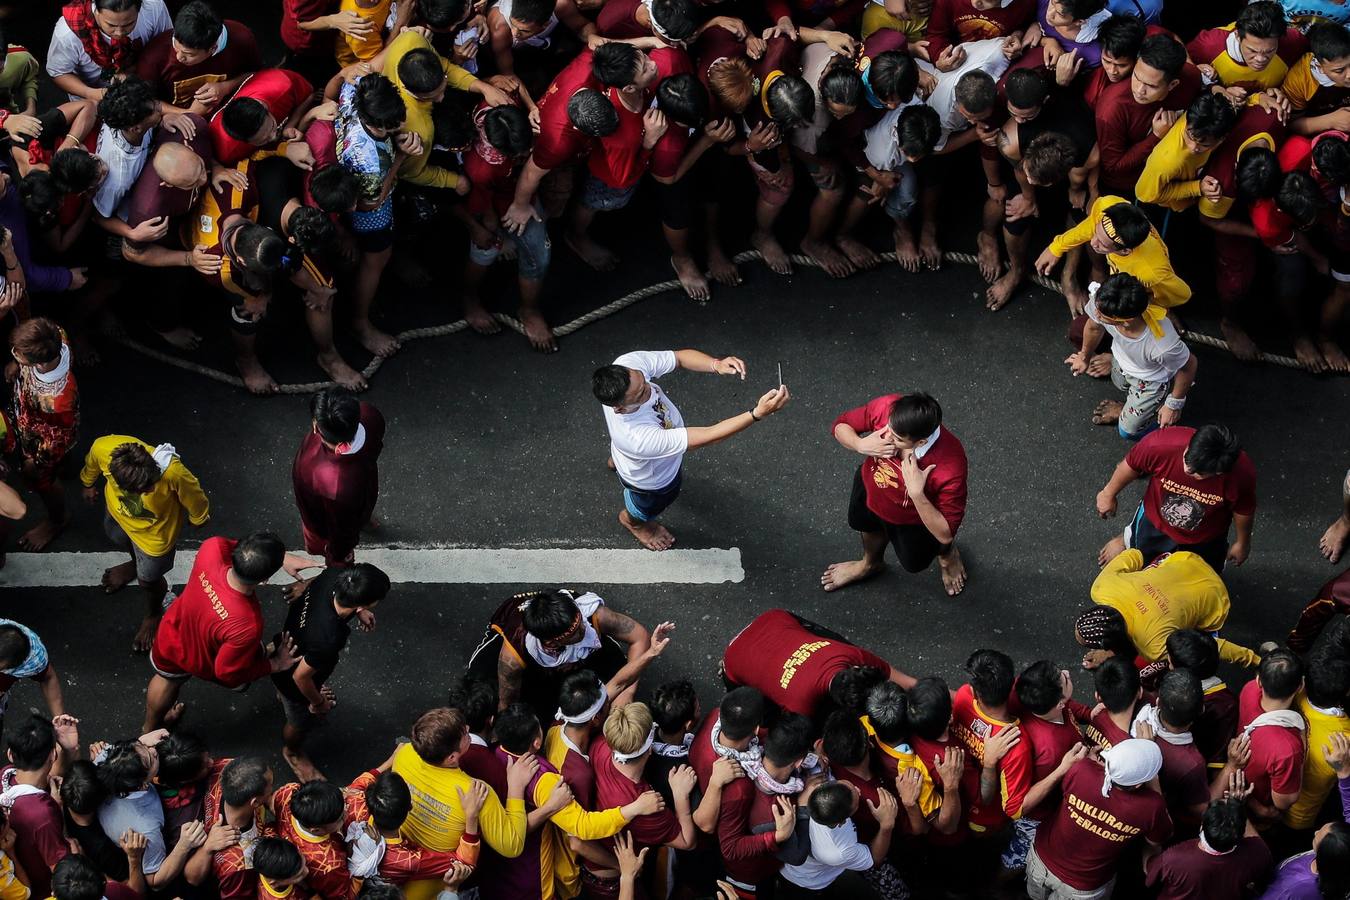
(105, 853)
(318, 631)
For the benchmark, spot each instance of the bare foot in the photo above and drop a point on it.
(929, 249)
(181, 338)
(1111, 549)
(479, 319)
(858, 253)
(775, 257)
(1333, 539)
(174, 715)
(372, 524)
(592, 254)
(953, 572)
(537, 331)
(691, 278)
(834, 263)
(1107, 412)
(721, 268)
(118, 577)
(1240, 343)
(376, 341)
(1100, 365)
(1334, 355)
(1001, 291)
(145, 635)
(256, 378)
(343, 374)
(906, 251)
(42, 534)
(302, 766)
(1074, 295)
(840, 575)
(609, 464)
(1308, 356)
(986, 256)
(652, 535)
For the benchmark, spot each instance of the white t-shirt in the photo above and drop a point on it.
(986, 55)
(67, 56)
(833, 851)
(125, 161)
(648, 444)
(1147, 357)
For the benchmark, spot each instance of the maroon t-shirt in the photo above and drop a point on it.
(150, 196)
(618, 19)
(1190, 510)
(790, 665)
(613, 788)
(1125, 135)
(482, 763)
(1188, 872)
(868, 792)
(1217, 724)
(1082, 842)
(1098, 730)
(1184, 779)
(958, 21)
(176, 83)
(1049, 742)
(40, 837)
(1277, 752)
(932, 752)
(748, 848)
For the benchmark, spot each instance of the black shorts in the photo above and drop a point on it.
(914, 545)
(1142, 535)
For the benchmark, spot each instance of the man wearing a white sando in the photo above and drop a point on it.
(647, 434)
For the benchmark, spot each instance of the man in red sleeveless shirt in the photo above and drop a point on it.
(909, 492)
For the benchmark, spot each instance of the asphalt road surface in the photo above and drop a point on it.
(491, 445)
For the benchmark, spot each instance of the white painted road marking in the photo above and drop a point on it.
(435, 566)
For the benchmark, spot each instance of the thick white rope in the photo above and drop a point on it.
(594, 315)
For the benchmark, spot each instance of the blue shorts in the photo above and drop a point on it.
(645, 506)
(533, 250)
(1142, 535)
(595, 194)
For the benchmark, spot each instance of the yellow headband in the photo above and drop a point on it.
(764, 91)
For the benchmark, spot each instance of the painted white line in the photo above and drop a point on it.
(579, 567)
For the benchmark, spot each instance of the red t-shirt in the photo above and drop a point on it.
(1276, 765)
(932, 753)
(1223, 162)
(613, 788)
(176, 83)
(322, 142)
(886, 496)
(492, 184)
(619, 159)
(1083, 841)
(212, 631)
(958, 21)
(1190, 510)
(1186, 872)
(618, 19)
(281, 91)
(1049, 741)
(558, 143)
(293, 12)
(788, 664)
(972, 726)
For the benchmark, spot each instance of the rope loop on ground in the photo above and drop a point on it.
(595, 315)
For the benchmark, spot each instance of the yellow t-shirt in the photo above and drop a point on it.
(1149, 262)
(152, 520)
(930, 801)
(1171, 176)
(437, 818)
(11, 888)
(415, 168)
(1175, 592)
(350, 49)
(1319, 779)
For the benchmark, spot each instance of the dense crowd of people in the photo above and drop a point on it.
(555, 769)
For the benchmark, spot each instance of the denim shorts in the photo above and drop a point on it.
(149, 569)
(595, 194)
(533, 251)
(645, 506)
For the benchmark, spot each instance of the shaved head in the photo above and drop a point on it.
(179, 166)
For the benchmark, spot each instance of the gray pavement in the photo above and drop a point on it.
(491, 445)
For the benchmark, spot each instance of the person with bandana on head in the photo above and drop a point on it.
(336, 474)
(1108, 804)
(536, 638)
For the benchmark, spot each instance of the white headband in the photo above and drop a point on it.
(647, 745)
(590, 713)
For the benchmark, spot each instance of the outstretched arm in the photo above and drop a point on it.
(769, 404)
(698, 361)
